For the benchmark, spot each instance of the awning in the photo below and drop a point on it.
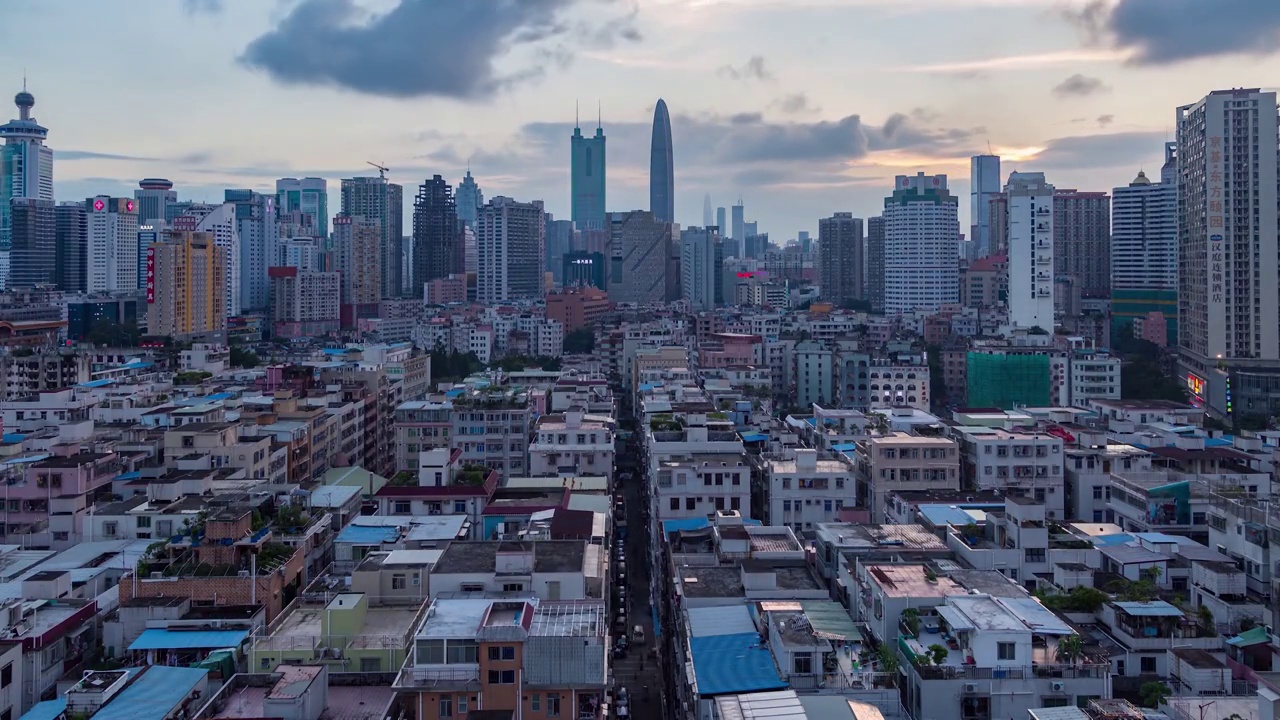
(956, 621)
(829, 620)
(157, 639)
(1252, 636)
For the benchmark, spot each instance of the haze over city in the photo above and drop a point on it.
(801, 107)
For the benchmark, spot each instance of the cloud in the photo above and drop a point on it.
(198, 7)
(1036, 61)
(1158, 32)
(72, 155)
(1113, 150)
(1105, 120)
(795, 104)
(1080, 86)
(425, 48)
(753, 69)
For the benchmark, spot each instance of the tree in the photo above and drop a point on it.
(242, 358)
(1069, 649)
(580, 342)
(1153, 694)
(911, 618)
(887, 659)
(938, 653)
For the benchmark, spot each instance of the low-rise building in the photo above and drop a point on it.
(898, 461)
(572, 443)
(807, 491)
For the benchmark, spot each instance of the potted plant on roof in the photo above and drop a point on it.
(938, 654)
(911, 619)
(1069, 650)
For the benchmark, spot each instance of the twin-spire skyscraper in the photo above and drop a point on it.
(588, 173)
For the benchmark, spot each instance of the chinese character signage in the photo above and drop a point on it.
(151, 276)
(1215, 226)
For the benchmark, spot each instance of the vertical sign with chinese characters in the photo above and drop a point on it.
(151, 276)
(1215, 226)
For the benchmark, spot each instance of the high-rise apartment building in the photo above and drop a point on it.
(186, 285)
(875, 263)
(469, 199)
(1228, 279)
(511, 238)
(304, 303)
(1030, 237)
(220, 221)
(700, 261)
(381, 202)
(707, 218)
(984, 182)
(841, 244)
(921, 245)
(438, 241)
(149, 231)
(71, 238)
(1082, 240)
(112, 252)
(259, 241)
(738, 222)
(559, 244)
(1144, 248)
(26, 168)
(358, 241)
(309, 196)
(639, 259)
(662, 183)
(722, 221)
(154, 196)
(587, 179)
(33, 258)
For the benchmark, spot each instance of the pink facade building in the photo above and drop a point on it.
(54, 496)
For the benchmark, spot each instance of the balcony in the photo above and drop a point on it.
(439, 677)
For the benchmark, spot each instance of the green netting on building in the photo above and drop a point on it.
(1007, 381)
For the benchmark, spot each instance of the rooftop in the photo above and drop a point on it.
(154, 694)
(454, 618)
(549, 556)
(343, 702)
(737, 663)
(851, 536)
(908, 581)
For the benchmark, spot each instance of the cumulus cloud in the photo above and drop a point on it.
(425, 47)
(1159, 32)
(795, 104)
(1083, 152)
(753, 69)
(1080, 86)
(1105, 120)
(68, 155)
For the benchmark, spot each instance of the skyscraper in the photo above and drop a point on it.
(1082, 240)
(707, 219)
(438, 240)
(875, 263)
(1144, 247)
(921, 245)
(358, 241)
(699, 267)
(469, 200)
(1228, 279)
(186, 292)
(984, 181)
(1031, 250)
(381, 202)
(738, 221)
(587, 179)
(721, 221)
(309, 196)
(33, 258)
(259, 242)
(26, 165)
(71, 234)
(840, 242)
(154, 196)
(220, 221)
(662, 183)
(638, 257)
(511, 237)
(559, 244)
(112, 254)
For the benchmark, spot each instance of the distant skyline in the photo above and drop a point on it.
(237, 93)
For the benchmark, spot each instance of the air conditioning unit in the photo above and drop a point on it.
(1058, 686)
(971, 687)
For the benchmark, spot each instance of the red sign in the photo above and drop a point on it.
(746, 274)
(128, 206)
(98, 205)
(151, 276)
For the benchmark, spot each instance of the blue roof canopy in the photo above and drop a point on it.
(159, 639)
(735, 663)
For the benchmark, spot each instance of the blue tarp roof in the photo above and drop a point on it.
(14, 437)
(1155, 608)
(136, 364)
(368, 534)
(1109, 540)
(159, 639)
(456, 392)
(134, 475)
(941, 515)
(220, 396)
(844, 447)
(47, 710)
(754, 437)
(690, 524)
(735, 663)
(154, 695)
(97, 383)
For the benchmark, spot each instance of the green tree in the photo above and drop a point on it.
(242, 358)
(938, 653)
(1069, 649)
(1153, 694)
(887, 660)
(580, 342)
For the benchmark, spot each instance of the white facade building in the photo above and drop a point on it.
(806, 491)
(921, 245)
(112, 256)
(698, 268)
(1030, 238)
(1028, 464)
(1144, 231)
(572, 444)
(511, 242)
(221, 221)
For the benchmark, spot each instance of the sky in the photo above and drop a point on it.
(801, 108)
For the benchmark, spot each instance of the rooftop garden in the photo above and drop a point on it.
(473, 475)
(666, 423)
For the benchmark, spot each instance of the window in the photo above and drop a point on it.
(462, 704)
(502, 677)
(460, 506)
(144, 521)
(430, 652)
(462, 652)
(786, 506)
(802, 664)
(675, 503)
(1148, 665)
(535, 703)
(502, 652)
(446, 706)
(370, 664)
(6, 676)
(691, 503)
(786, 483)
(398, 582)
(402, 507)
(1035, 555)
(1097, 493)
(1005, 651)
(472, 587)
(513, 587)
(735, 503)
(553, 704)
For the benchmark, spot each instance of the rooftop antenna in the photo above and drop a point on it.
(599, 115)
(989, 150)
(575, 114)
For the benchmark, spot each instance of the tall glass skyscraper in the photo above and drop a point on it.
(662, 184)
(469, 200)
(984, 183)
(26, 169)
(588, 179)
(309, 196)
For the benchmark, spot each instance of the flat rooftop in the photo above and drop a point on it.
(569, 619)
(481, 557)
(852, 536)
(345, 702)
(451, 618)
(907, 581)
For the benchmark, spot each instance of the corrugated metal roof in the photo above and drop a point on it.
(47, 710)
(1036, 616)
(830, 620)
(724, 664)
(563, 662)
(1155, 608)
(711, 621)
(159, 639)
(154, 695)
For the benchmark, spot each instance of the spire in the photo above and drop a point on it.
(576, 125)
(599, 115)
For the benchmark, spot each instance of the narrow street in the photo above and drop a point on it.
(639, 671)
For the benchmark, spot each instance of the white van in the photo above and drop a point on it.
(637, 635)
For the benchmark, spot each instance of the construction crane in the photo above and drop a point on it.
(382, 170)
